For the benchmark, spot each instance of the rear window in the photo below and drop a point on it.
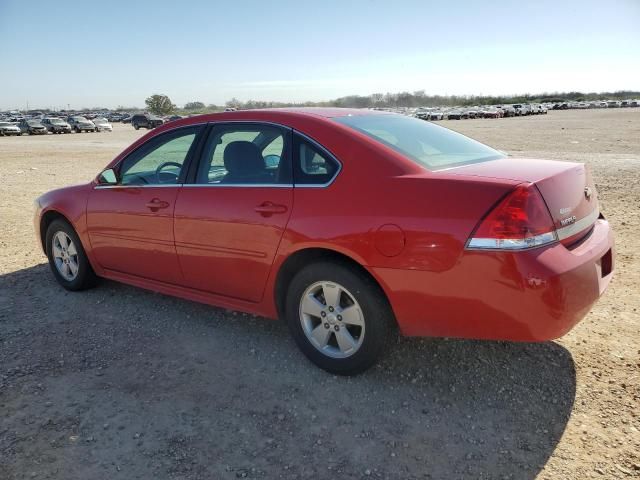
(429, 145)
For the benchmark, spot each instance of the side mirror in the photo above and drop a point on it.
(271, 161)
(108, 177)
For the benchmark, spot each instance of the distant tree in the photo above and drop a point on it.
(234, 103)
(159, 104)
(194, 106)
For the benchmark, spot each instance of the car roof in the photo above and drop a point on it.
(297, 112)
(327, 112)
(277, 115)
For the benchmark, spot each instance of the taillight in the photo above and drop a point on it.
(521, 220)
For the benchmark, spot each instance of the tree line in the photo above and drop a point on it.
(418, 99)
(160, 104)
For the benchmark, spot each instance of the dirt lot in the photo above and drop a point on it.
(120, 383)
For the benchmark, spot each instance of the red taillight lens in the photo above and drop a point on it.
(520, 220)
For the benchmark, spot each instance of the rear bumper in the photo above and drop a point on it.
(533, 295)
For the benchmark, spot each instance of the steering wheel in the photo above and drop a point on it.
(164, 165)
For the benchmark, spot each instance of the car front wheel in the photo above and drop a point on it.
(339, 317)
(67, 258)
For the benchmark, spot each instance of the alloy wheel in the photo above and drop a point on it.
(65, 256)
(331, 319)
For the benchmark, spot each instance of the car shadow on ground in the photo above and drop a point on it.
(125, 383)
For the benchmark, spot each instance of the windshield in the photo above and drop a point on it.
(80, 119)
(429, 145)
(56, 121)
(33, 123)
(100, 120)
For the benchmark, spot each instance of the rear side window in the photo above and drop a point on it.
(312, 164)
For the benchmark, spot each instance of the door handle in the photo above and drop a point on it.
(156, 204)
(268, 208)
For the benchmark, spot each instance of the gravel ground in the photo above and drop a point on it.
(121, 383)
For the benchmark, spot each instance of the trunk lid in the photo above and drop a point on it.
(567, 189)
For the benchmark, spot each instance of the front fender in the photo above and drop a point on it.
(71, 204)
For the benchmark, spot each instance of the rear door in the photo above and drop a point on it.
(131, 224)
(230, 219)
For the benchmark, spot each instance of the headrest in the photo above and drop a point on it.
(243, 159)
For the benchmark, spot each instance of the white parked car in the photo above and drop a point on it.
(102, 124)
(8, 128)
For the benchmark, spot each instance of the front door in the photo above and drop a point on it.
(130, 224)
(229, 221)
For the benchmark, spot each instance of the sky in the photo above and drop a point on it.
(116, 53)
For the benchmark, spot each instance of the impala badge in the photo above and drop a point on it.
(568, 220)
(587, 193)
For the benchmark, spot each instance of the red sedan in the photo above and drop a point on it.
(347, 223)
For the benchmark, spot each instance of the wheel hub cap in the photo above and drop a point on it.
(65, 256)
(331, 319)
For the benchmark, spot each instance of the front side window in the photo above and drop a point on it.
(429, 145)
(245, 154)
(159, 161)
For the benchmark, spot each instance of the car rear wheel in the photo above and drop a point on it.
(67, 258)
(136, 127)
(338, 317)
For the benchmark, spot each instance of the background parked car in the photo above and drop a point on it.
(492, 113)
(522, 109)
(56, 125)
(81, 124)
(507, 110)
(429, 114)
(145, 121)
(102, 124)
(8, 128)
(32, 127)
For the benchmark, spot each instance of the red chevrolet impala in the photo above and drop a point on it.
(347, 223)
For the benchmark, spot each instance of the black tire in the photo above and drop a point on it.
(378, 317)
(136, 126)
(86, 277)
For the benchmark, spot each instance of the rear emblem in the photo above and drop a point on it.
(568, 221)
(587, 193)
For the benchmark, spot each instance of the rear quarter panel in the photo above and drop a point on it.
(430, 215)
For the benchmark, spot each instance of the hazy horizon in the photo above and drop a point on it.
(82, 55)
